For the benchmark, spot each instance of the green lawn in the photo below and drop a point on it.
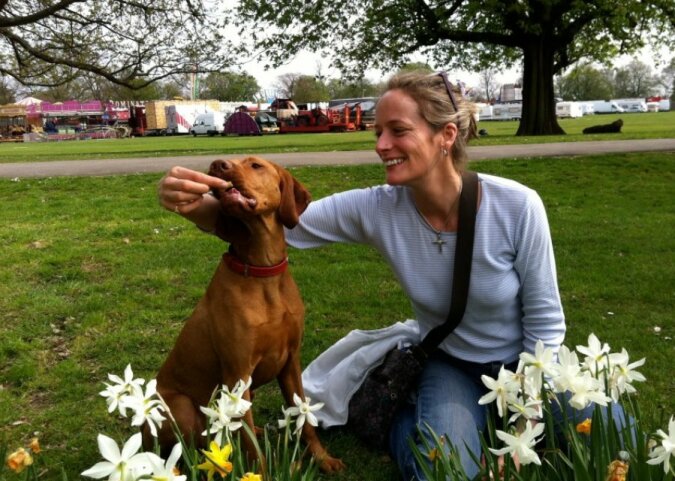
(95, 275)
(636, 126)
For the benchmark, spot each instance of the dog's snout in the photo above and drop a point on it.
(220, 166)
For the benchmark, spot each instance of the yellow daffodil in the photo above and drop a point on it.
(434, 454)
(251, 477)
(19, 460)
(35, 445)
(217, 460)
(584, 427)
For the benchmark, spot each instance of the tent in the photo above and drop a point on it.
(241, 123)
(29, 101)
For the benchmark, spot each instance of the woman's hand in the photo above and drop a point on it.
(182, 190)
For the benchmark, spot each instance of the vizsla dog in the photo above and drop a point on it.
(250, 322)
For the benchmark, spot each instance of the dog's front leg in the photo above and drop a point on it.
(290, 381)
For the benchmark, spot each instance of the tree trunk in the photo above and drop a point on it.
(538, 117)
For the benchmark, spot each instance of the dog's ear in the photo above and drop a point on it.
(294, 199)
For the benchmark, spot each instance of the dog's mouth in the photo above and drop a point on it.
(233, 196)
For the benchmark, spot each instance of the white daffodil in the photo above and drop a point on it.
(304, 412)
(623, 375)
(235, 398)
(530, 409)
(502, 390)
(116, 392)
(663, 452)
(287, 418)
(230, 405)
(541, 363)
(162, 471)
(127, 465)
(586, 389)
(521, 445)
(146, 406)
(567, 369)
(596, 354)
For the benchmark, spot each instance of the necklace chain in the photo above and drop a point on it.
(438, 240)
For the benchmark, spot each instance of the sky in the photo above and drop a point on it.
(309, 63)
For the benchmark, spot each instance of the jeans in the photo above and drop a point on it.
(447, 400)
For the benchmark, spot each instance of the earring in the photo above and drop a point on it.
(444, 151)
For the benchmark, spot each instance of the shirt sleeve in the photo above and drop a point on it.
(543, 316)
(341, 217)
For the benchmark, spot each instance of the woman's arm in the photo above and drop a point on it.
(183, 191)
(543, 316)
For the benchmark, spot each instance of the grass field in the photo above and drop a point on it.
(636, 126)
(95, 275)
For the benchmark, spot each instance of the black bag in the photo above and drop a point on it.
(388, 385)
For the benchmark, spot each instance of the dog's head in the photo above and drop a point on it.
(259, 187)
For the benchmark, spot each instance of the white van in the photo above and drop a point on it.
(210, 123)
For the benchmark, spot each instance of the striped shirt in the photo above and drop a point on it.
(513, 295)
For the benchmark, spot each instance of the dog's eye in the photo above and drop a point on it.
(256, 165)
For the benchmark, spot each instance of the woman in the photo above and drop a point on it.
(422, 127)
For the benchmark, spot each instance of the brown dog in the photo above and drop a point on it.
(250, 321)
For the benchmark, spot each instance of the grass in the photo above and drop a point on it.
(95, 275)
(636, 126)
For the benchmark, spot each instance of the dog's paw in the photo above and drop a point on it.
(329, 464)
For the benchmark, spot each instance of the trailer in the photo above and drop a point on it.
(568, 110)
(605, 107)
(632, 105)
(509, 111)
(169, 117)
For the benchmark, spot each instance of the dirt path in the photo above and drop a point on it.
(162, 164)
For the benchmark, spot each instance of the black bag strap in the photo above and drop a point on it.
(466, 227)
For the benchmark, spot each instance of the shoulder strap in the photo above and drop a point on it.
(462, 271)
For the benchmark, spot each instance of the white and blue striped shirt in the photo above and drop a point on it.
(513, 294)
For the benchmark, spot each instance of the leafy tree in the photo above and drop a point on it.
(634, 80)
(302, 88)
(416, 67)
(51, 42)
(584, 82)
(229, 87)
(545, 35)
(7, 92)
(347, 89)
(667, 78)
(310, 89)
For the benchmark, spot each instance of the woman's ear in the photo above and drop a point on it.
(450, 133)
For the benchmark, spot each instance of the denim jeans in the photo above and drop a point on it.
(447, 400)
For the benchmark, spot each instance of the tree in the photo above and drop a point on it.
(348, 89)
(634, 80)
(584, 82)
(230, 87)
(489, 84)
(302, 88)
(545, 35)
(49, 43)
(7, 92)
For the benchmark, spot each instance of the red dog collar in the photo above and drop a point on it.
(248, 270)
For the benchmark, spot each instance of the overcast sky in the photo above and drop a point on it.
(308, 63)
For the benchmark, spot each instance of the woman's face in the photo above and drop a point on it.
(408, 147)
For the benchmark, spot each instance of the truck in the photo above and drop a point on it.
(291, 118)
(209, 123)
(632, 105)
(605, 107)
(569, 109)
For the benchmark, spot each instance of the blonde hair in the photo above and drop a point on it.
(438, 108)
